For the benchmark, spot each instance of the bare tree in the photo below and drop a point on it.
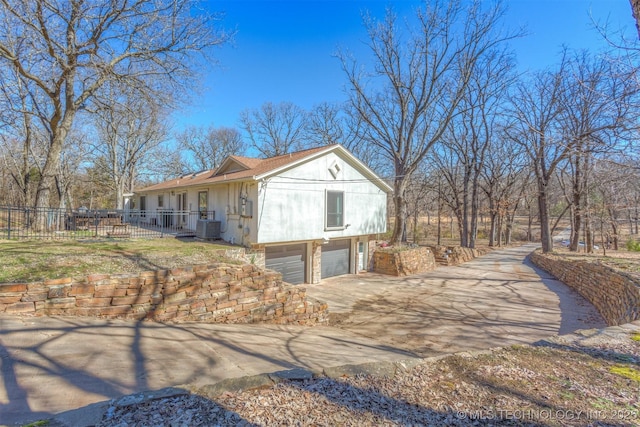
(275, 129)
(64, 51)
(129, 128)
(75, 157)
(165, 162)
(210, 146)
(333, 124)
(504, 179)
(451, 181)
(635, 10)
(537, 105)
(563, 117)
(417, 199)
(471, 132)
(327, 124)
(418, 79)
(20, 136)
(596, 110)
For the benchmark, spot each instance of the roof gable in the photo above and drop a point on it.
(236, 163)
(340, 151)
(236, 168)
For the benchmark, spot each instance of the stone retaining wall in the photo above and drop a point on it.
(217, 293)
(404, 261)
(454, 255)
(615, 294)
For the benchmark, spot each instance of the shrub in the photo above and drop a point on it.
(633, 245)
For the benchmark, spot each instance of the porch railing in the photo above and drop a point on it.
(30, 223)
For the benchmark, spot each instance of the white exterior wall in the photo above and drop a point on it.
(292, 204)
(224, 199)
(221, 198)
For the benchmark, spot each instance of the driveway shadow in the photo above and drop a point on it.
(50, 365)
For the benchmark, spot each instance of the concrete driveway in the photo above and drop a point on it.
(496, 300)
(51, 365)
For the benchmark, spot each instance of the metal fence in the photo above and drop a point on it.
(30, 223)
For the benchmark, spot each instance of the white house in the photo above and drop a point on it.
(308, 215)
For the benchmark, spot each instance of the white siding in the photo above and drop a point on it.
(292, 204)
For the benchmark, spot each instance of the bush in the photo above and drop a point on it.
(633, 245)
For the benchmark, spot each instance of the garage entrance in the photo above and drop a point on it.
(289, 260)
(335, 258)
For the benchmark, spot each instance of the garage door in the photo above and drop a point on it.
(335, 258)
(288, 260)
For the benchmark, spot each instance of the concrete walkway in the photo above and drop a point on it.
(50, 365)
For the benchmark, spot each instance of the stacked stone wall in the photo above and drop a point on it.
(217, 293)
(454, 255)
(404, 261)
(615, 294)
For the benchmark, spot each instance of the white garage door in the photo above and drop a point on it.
(335, 258)
(288, 260)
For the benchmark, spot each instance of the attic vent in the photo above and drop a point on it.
(334, 170)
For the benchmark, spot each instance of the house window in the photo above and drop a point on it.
(203, 204)
(181, 201)
(143, 206)
(335, 209)
(160, 201)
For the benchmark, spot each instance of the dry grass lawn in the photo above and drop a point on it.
(35, 260)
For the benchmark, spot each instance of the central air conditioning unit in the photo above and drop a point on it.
(208, 229)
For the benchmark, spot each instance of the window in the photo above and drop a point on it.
(181, 202)
(160, 201)
(335, 209)
(203, 204)
(143, 206)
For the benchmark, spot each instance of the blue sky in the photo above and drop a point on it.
(283, 48)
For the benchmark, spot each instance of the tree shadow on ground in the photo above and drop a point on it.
(62, 362)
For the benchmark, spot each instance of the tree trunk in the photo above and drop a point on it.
(492, 230)
(473, 229)
(492, 219)
(47, 182)
(60, 126)
(439, 211)
(635, 9)
(459, 220)
(614, 228)
(119, 193)
(415, 228)
(509, 227)
(576, 220)
(545, 225)
(589, 235)
(463, 216)
(530, 226)
(400, 206)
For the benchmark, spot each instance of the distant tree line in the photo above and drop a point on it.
(438, 109)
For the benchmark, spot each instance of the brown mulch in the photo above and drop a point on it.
(550, 384)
